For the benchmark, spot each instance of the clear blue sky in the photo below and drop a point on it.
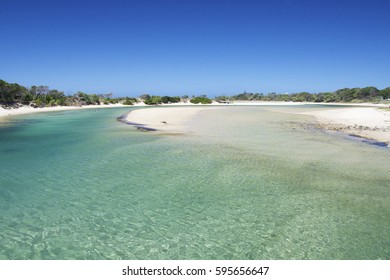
(168, 47)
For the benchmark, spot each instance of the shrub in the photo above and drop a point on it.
(127, 101)
(153, 100)
(202, 100)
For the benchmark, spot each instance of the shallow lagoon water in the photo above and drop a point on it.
(250, 184)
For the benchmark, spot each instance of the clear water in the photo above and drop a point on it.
(249, 184)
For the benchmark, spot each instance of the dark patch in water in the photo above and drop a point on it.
(139, 126)
(144, 128)
(368, 141)
(10, 150)
(376, 143)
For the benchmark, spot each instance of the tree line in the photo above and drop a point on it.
(156, 100)
(15, 95)
(353, 95)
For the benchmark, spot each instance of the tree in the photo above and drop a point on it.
(367, 93)
(27, 98)
(153, 100)
(95, 99)
(41, 95)
(385, 93)
(55, 98)
(170, 99)
(83, 98)
(11, 94)
(127, 101)
(221, 98)
(144, 96)
(42, 90)
(346, 94)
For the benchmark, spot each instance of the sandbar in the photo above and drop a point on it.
(364, 121)
(371, 123)
(166, 119)
(367, 122)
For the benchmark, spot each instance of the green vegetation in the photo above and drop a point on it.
(153, 100)
(129, 101)
(15, 95)
(353, 95)
(170, 99)
(201, 99)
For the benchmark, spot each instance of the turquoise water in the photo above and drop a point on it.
(250, 184)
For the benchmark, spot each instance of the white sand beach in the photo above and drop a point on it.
(372, 123)
(368, 122)
(30, 110)
(166, 119)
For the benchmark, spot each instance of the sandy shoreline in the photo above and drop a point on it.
(291, 103)
(30, 110)
(364, 120)
(371, 123)
(367, 122)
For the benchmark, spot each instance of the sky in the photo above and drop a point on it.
(172, 47)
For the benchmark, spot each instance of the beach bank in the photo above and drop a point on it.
(23, 110)
(30, 110)
(370, 123)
